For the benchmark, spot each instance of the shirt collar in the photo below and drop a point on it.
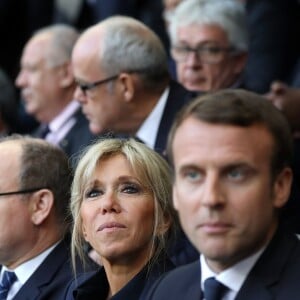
(64, 116)
(234, 276)
(25, 270)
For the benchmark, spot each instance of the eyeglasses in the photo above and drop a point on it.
(26, 191)
(88, 86)
(207, 54)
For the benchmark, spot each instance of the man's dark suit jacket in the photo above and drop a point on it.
(49, 281)
(275, 275)
(177, 98)
(77, 138)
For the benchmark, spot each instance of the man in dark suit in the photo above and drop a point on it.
(121, 70)
(232, 152)
(47, 85)
(34, 243)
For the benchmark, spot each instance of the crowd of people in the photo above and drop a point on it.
(151, 150)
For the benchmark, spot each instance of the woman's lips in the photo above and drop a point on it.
(110, 226)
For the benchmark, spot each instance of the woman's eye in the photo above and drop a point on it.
(93, 193)
(130, 189)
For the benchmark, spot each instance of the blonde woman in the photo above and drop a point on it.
(121, 206)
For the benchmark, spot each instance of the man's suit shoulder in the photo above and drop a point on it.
(180, 283)
(49, 281)
(276, 273)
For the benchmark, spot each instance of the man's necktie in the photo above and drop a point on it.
(8, 279)
(213, 289)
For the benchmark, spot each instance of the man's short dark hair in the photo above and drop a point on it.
(241, 108)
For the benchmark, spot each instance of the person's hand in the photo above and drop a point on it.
(287, 100)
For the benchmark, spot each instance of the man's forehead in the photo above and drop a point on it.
(201, 33)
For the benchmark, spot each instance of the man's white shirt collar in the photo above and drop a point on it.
(25, 270)
(61, 124)
(233, 277)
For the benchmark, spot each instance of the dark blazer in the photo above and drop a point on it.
(275, 275)
(274, 28)
(49, 281)
(77, 138)
(94, 285)
(177, 98)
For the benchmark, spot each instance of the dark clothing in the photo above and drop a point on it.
(274, 276)
(76, 139)
(94, 286)
(148, 12)
(291, 211)
(274, 28)
(49, 281)
(177, 98)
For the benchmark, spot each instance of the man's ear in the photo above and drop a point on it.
(240, 62)
(127, 86)
(282, 187)
(41, 204)
(66, 75)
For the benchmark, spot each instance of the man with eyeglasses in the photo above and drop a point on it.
(209, 44)
(47, 86)
(34, 198)
(123, 83)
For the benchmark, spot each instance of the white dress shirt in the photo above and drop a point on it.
(61, 125)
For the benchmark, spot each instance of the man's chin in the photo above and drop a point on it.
(195, 87)
(95, 129)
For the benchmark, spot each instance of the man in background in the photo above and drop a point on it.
(47, 86)
(123, 83)
(209, 43)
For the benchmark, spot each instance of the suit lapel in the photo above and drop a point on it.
(262, 281)
(44, 274)
(177, 98)
(254, 289)
(193, 289)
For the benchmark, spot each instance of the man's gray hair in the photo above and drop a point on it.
(230, 15)
(130, 46)
(62, 40)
